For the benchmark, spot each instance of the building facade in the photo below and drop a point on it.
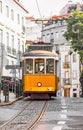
(70, 7)
(12, 36)
(68, 65)
(33, 29)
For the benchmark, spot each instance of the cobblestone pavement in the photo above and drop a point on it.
(10, 111)
(62, 114)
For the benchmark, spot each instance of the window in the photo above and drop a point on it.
(39, 66)
(18, 18)
(74, 57)
(74, 94)
(7, 11)
(12, 41)
(29, 66)
(63, 22)
(57, 34)
(7, 38)
(22, 46)
(22, 21)
(0, 6)
(59, 23)
(74, 74)
(66, 59)
(1, 36)
(56, 21)
(62, 32)
(66, 74)
(12, 14)
(66, 77)
(7, 61)
(47, 37)
(12, 62)
(52, 38)
(50, 66)
(18, 44)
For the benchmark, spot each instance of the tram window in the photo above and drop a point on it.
(29, 66)
(50, 66)
(39, 66)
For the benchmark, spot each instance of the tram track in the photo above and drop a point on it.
(5, 124)
(39, 117)
(27, 118)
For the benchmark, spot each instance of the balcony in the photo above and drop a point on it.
(66, 65)
(66, 81)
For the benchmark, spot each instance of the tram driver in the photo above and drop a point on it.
(41, 68)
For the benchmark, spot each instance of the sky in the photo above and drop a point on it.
(45, 8)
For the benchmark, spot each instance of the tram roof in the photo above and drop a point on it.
(40, 53)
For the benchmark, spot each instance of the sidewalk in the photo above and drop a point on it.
(12, 99)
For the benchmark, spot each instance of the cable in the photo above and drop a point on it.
(38, 9)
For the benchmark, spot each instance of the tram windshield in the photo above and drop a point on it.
(39, 66)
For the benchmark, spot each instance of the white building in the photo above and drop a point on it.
(68, 65)
(33, 29)
(12, 35)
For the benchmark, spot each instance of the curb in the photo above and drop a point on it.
(10, 102)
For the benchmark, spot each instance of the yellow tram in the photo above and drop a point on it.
(40, 74)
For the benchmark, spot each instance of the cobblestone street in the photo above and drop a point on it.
(63, 114)
(60, 114)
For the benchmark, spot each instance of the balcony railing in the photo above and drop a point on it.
(66, 81)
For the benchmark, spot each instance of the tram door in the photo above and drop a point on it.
(66, 92)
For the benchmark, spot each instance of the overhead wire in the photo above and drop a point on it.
(38, 9)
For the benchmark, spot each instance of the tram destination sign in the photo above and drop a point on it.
(12, 66)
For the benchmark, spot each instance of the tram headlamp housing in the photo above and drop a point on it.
(39, 84)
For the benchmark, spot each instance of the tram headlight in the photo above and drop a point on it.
(39, 84)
